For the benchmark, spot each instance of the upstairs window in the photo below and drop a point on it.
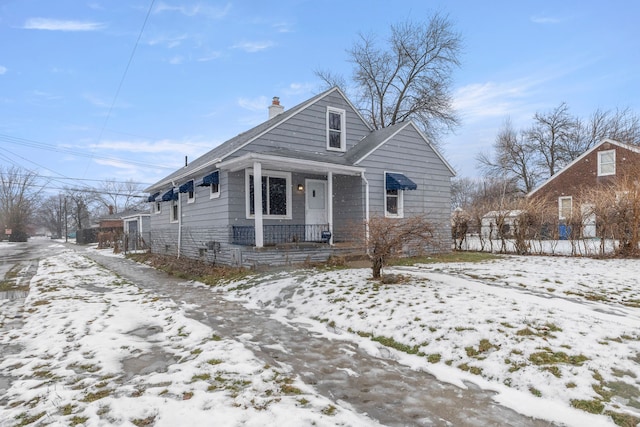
(336, 135)
(606, 162)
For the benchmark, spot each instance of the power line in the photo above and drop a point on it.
(124, 75)
(50, 147)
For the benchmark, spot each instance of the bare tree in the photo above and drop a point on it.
(410, 78)
(120, 195)
(51, 215)
(18, 198)
(78, 204)
(514, 159)
(390, 237)
(548, 136)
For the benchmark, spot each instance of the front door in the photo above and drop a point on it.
(315, 209)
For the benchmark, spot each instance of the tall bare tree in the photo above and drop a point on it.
(51, 214)
(120, 195)
(549, 135)
(18, 197)
(409, 78)
(514, 159)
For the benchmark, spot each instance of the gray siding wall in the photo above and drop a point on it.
(307, 130)
(348, 208)
(408, 154)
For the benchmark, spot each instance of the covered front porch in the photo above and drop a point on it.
(301, 201)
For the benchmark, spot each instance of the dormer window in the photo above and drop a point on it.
(336, 135)
(607, 162)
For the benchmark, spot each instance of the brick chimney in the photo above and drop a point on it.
(275, 108)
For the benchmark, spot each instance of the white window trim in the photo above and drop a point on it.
(600, 153)
(343, 129)
(174, 203)
(157, 207)
(560, 199)
(192, 199)
(268, 173)
(400, 213)
(214, 194)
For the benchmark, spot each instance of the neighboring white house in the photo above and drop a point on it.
(492, 221)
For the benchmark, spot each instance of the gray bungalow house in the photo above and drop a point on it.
(323, 172)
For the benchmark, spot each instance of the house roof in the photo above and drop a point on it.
(632, 148)
(234, 144)
(344, 164)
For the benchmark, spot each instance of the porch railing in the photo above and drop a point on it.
(275, 234)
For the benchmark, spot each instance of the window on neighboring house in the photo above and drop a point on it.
(174, 210)
(336, 134)
(565, 206)
(276, 195)
(158, 207)
(607, 162)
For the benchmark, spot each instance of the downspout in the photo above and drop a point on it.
(330, 204)
(366, 210)
(179, 222)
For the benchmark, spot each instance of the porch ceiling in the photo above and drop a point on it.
(288, 164)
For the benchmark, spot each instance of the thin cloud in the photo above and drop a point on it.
(195, 9)
(252, 47)
(3, 70)
(153, 147)
(176, 60)
(283, 27)
(58, 25)
(540, 19)
(256, 104)
(167, 41)
(209, 57)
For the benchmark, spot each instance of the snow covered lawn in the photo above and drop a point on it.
(95, 350)
(549, 334)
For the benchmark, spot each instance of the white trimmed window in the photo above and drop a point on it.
(393, 202)
(336, 132)
(191, 194)
(174, 211)
(565, 207)
(606, 162)
(276, 194)
(214, 191)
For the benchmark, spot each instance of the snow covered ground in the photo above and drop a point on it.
(548, 334)
(95, 350)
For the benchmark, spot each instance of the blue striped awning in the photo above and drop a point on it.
(169, 195)
(397, 181)
(186, 187)
(209, 180)
(152, 198)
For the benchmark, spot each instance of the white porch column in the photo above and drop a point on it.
(257, 203)
(330, 204)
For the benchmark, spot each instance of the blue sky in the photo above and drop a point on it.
(75, 102)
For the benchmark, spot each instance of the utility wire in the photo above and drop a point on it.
(124, 75)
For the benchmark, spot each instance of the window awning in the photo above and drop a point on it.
(152, 198)
(169, 195)
(209, 180)
(186, 187)
(397, 181)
